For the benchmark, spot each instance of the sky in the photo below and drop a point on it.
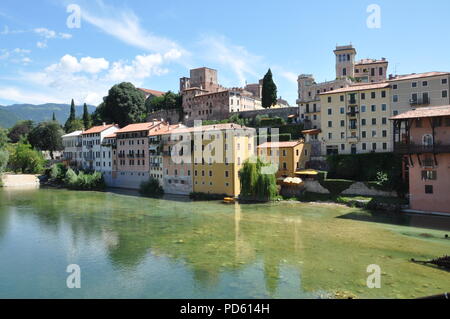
(46, 56)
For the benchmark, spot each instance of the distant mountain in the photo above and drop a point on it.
(9, 115)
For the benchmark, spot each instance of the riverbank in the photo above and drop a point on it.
(19, 180)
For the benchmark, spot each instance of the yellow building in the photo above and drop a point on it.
(290, 156)
(216, 164)
(355, 119)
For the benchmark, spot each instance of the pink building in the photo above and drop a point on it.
(423, 136)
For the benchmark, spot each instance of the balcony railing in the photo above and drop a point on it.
(403, 148)
(420, 101)
(353, 113)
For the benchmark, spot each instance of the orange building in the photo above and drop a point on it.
(423, 136)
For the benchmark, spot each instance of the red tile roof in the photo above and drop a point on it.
(215, 127)
(138, 127)
(359, 87)
(98, 129)
(432, 111)
(417, 76)
(152, 92)
(114, 135)
(279, 144)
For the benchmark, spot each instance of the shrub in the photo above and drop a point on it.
(206, 197)
(84, 181)
(336, 186)
(151, 188)
(272, 122)
(26, 160)
(57, 172)
(4, 157)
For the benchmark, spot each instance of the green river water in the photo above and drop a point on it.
(133, 247)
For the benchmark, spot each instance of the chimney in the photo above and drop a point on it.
(104, 124)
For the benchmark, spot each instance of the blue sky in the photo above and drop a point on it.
(154, 43)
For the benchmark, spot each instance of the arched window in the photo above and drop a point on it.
(427, 140)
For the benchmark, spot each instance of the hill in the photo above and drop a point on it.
(9, 115)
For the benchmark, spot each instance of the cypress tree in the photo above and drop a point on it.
(54, 117)
(87, 120)
(72, 116)
(269, 91)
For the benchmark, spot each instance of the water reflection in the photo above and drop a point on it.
(285, 250)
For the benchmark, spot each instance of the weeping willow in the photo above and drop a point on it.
(256, 186)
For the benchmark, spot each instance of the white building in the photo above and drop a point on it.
(72, 154)
(92, 148)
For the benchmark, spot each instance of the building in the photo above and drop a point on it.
(355, 119)
(151, 93)
(289, 156)
(206, 159)
(133, 165)
(92, 140)
(422, 135)
(109, 157)
(72, 154)
(348, 72)
(419, 90)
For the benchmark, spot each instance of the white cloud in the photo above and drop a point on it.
(125, 26)
(290, 76)
(16, 55)
(18, 95)
(41, 44)
(218, 49)
(70, 64)
(50, 34)
(92, 65)
(141, 67)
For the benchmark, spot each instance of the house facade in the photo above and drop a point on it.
(422, 136)
(92, 150)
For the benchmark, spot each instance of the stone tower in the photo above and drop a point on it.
(345, 61)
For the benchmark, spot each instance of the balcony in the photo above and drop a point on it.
(403, 148)
(130, 155)
(420, 101)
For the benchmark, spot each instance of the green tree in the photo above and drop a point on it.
(3, 137)
(72, 117)
(24, 159)
(47, 137)
(169, 101)
(124, 105)
(269, 91)
(151, 188)
(21, 128)
(4, 157)
(87, 120)
(54, 117)
(75, 125)
(256, 185)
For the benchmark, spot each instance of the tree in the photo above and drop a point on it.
(54, 117)
(169, 101)
(75, 125)
(87, 120)
(72, 117)
(269, 91)
(124, 105)
(256, 185)
(21, 128)
(47, 137)
(26, 160)
(3, 137)
(4, 157)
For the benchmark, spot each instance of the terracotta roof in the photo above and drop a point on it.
(163, 129)
(432, 111)
(152, 92)
(313, 131)
(359, 87)
(417, 76)
(98, 129)
(215, 127)
(279, 144)
(114, 135)
(138, 127)
(370, 61)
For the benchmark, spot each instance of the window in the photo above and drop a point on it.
(380, 71)
(384, 121)
(344, 71)
(330, 124)
(342, 135)
(428, 189)
(373, 108)
(373, 95)
(363, 108)
(363, 122)
(374, 121)
(342, 147)
(384, 133)
(329, 99)
(444, 93)
(364, 146)
(284, 165)
(374, 146)
(414, 84)
(341, 98)
(429, 175)
(395, 98)
(374, 133)
(383, 107)
(363, 134)
(427, 140)
(383, 94)
(395, 87)
(342, 123)
(424, 83)
(342, 110)
(363, 96)
(444, 81)
(330, 111)
(330, 136)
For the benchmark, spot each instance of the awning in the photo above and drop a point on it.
(292, 180)
(309, 172)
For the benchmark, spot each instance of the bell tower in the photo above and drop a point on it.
(345, 61)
